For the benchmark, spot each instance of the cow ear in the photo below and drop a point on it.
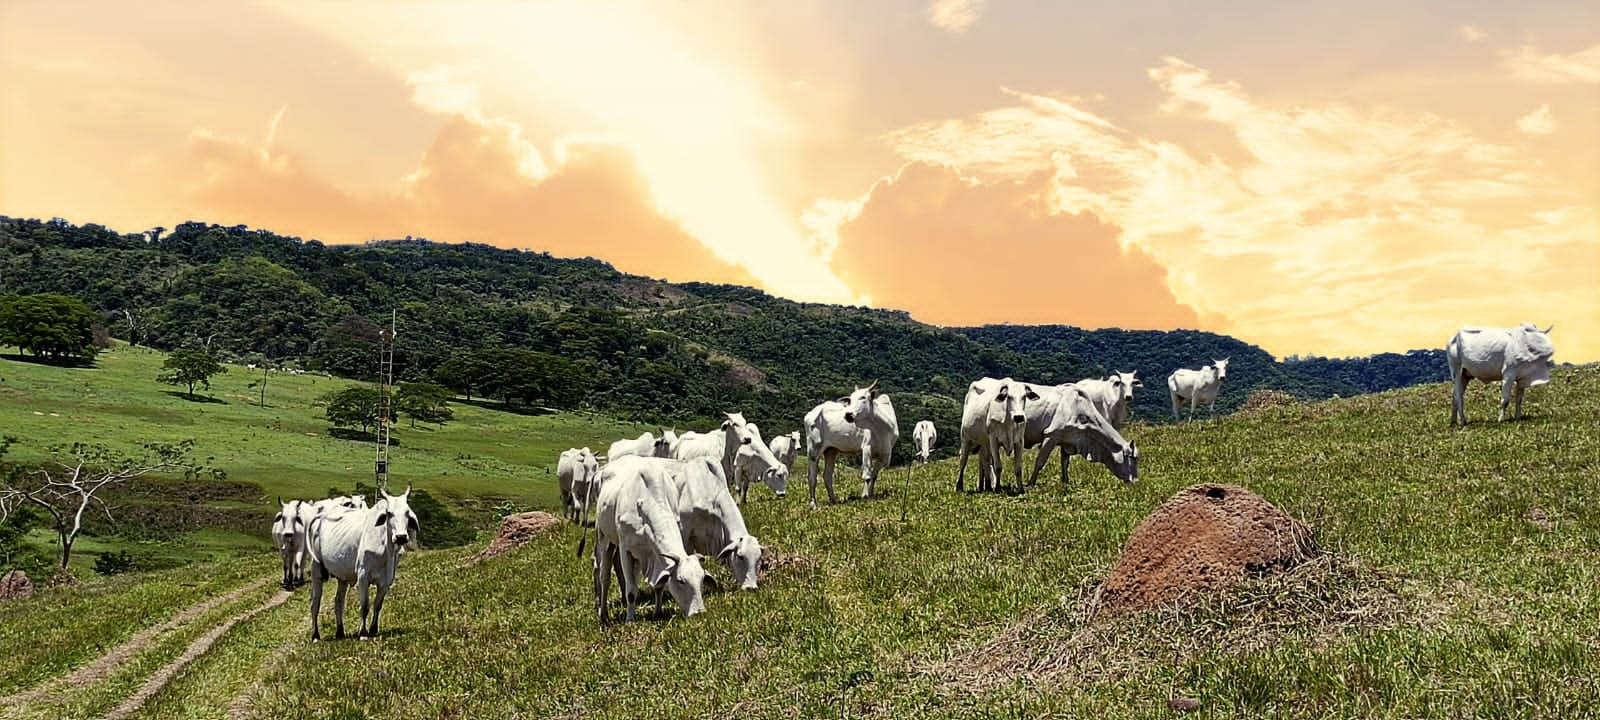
(725, 552)
(382, 518)
(1027, 392)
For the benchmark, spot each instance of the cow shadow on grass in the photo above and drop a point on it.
(203, 399)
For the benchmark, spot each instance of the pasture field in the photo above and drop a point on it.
(1460, 578)
(481, 458)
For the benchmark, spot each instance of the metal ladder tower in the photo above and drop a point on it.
(385, 407)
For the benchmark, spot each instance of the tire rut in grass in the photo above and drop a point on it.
(102, 667)
(197, 648)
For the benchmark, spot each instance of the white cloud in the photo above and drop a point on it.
(1538, 122)
(1471, 33)
(1528, 63)
(955, 16)
(1334, 220)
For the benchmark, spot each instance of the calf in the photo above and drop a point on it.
(361, 548)
(923, 437)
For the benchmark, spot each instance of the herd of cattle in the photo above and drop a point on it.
(659, 503)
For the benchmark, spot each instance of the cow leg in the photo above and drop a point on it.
(1042, 457)
(829, 457)
(1458, 407)
(1016, 465)
(338, 610)
(602, 574)
(630, 583)
(288, 571)
(1506, 387)
(377, 607)
(961, 469)
(1062, 448)
(1520, 389)
(316, 599)
(1177, 404)
(364, 588)
(811, 477)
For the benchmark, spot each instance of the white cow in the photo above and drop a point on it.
(1196, 386)
(1064, 417)
(1519, 357)
(711, 522)
(753, 460)
(646, 445)
(289, 535)
(637, 528)
(923, 437)
(1112, 395)
(994, 420)
(575, 473)
(361, 548)
(865, 422)
(784, 447)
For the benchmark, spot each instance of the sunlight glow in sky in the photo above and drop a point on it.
(1284, 173)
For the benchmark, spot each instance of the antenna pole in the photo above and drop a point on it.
(385, 381)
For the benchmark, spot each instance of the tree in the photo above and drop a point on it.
(187, 367)
(72, 480)
(423, 401)
(352, 406)
(49, 325)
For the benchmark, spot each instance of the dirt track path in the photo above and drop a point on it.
(102, 667)
(197, 648)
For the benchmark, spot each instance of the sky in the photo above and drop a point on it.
(1322, 177)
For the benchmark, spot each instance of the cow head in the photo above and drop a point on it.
(1010, 400)
(1221, 367)
(661, 445)
(685, 578)
(394, 512)
(287, 523)
(1529, 343)
(1124, 383)
(859, 402)
(743, 558)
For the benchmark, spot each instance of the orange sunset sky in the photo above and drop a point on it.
(1330, 177)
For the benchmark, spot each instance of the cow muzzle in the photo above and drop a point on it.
(401, 540)
(1019, 419)
(849, 417)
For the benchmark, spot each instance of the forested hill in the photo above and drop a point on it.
(577, 332)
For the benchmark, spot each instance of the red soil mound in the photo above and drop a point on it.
(1205, 538)
(517, 530)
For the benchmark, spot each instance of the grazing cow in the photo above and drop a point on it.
(1064, 417)
(575, 473)
(864, 421)
(289, 535)
(636, 527)
(783, 448)
(752, 459)
(1112, 396)
(994, 419)
(923, 437)
(646, 445)
(1196, 386)
(361, 548)
(1519, 357)
(711, 522)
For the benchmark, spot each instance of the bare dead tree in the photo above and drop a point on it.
(68, 484)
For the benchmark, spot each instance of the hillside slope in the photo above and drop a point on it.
(649, 350)
(1458, 580)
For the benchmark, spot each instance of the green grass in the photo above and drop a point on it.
(482, 457)
(1460, 581)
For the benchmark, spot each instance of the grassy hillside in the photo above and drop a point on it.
(482, 458)
(1459, 581)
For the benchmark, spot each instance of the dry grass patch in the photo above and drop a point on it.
(1317, 602)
